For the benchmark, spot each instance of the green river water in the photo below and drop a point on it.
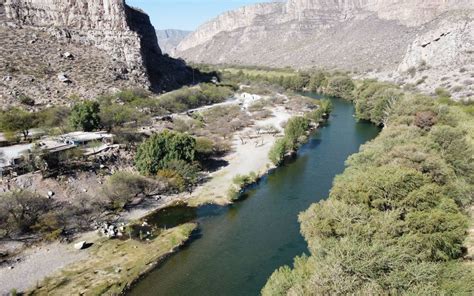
(239, 246)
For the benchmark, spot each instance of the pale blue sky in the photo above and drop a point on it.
(186, 14)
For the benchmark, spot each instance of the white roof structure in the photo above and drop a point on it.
(64, 142)
(11, 153)
(86, 136)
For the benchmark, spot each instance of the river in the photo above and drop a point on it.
(239, 246)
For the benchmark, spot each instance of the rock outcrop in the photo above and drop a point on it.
(126, 34)
(448, 41)
(350, 34)
(112, 46)
(169, 39)
(356, 35)
(442, 56)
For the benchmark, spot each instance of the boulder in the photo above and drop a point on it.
(80, 245)
(68, 55)
(63, 78)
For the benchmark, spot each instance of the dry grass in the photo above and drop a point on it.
(266, 73)
(113, 265)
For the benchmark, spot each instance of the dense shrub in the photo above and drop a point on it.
(278, 151)
(295, 132)
(373, 100)
(317, 81)
(340, 86)
(18, 121)
(20, 211)
(115, 115)
(189, 172)
(394, 222)
(123, 187)
(85, 116)
(204, 147)
(190, 98)
(54, 118)
(157, 151)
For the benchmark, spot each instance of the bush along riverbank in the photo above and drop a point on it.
(296, 132)
(396, 220)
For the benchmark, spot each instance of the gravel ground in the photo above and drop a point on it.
(35, 264)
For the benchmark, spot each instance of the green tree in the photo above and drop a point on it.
(157, 151)
(317, 80)
(295, 129)
(115, 115)
(85, 116)
(340, 86)
(278, 151)
(18, 121)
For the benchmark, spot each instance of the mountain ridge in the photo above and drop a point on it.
(362, 36)
(168, 39)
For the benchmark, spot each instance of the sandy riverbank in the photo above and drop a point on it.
(248, 156)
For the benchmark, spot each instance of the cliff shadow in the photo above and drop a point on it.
(164, 73)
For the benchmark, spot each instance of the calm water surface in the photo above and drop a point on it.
(240, 246)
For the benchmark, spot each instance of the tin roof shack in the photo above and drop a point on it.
(54, 150)
(85, 138)
(13, 155)
(89, 142)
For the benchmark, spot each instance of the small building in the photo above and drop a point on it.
(13, 155)
(84, 138)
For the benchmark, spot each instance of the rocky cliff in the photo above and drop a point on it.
(441, 56)
(124, 33)
(90, 46)
(170, 38)
(356, 35)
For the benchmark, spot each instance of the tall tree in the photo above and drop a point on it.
(85, 116)
(160, 149)
(18, 121)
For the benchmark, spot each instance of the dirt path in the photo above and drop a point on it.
(35, 264)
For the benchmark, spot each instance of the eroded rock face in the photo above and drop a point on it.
(446, 43)
(110, 25)
(110, 47)
(347, 34)
(442, 56)
(407, 12)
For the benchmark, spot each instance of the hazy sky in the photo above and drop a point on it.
(186, 14)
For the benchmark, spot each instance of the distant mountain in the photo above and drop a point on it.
(169, 39)
(391, 36)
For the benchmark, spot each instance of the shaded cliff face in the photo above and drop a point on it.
(100, 45)
(346, 34)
